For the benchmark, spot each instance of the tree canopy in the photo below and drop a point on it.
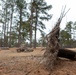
(20, 20)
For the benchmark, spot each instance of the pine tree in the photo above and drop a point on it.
(21, 6)
(40, 13)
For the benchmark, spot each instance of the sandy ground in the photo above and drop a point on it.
(28, 63)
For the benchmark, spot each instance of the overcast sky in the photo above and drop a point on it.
(56, 10)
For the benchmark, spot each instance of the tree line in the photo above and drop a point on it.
(68, 35)
(20, 20)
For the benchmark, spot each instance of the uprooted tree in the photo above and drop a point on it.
(53, 45)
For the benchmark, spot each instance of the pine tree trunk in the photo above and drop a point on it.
(31, 22)
(30, 35)
(11, 26)
(19, 36)
(5, 26)
(35, 29)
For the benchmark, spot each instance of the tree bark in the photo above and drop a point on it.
(19, 37)
(31, 22)
(52, 47)
(5, 25)
(65, 53)
(35, 29)
(11, 25)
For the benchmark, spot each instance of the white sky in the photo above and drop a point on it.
(56, 10)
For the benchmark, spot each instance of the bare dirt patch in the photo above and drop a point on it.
(28, 63)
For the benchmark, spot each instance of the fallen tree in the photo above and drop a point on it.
(65, 53)
(53, 45)
(24, 48)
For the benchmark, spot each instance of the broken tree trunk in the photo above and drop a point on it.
(69, 54)
(53, 45)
